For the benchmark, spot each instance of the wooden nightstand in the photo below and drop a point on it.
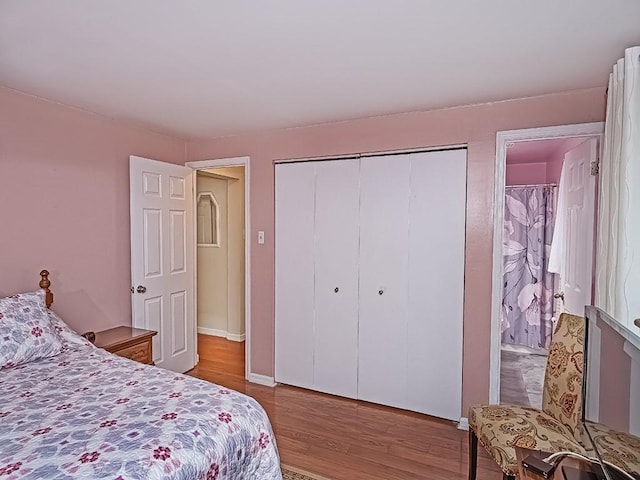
(128, 342)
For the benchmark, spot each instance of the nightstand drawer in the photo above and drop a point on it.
(128, 342)
(140, 353)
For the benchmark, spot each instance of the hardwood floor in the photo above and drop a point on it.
(346, 439)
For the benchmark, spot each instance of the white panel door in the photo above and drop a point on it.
(384, 235)
(294, 339)
(336, 277)
(162, 242)
(436, 282)
(576, 268)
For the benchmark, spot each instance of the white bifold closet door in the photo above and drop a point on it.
(317, 275)
(412, 237)
(295, 273)
(336, 277)
(370, 278)
(436, 282)
(384, 287)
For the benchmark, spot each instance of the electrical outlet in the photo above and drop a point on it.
(260, 237)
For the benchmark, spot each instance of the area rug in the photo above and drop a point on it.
(292, 473)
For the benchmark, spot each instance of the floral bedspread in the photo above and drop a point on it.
(86, 413)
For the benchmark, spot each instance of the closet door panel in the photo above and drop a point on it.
(294, 311)
(336, 277)
(384, 225)
(436, 282)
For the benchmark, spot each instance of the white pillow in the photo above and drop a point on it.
(67, 335)
(26, 332)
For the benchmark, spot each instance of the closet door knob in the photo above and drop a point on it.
(336, 289)
(380, 292)
(141, 289)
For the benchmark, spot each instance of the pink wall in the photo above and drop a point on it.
(473, 125)
(64, 205)
(64, 200)
(554, 167)
(526, 173)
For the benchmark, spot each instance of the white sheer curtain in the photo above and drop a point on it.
(618, 248)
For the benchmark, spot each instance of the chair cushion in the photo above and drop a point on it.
(501, 428)
(621, 449)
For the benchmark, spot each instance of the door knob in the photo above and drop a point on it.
(141, 289)
(637, 322)
(380, 292)
(336, 289)
(559, 295)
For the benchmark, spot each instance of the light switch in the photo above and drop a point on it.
(261, 237)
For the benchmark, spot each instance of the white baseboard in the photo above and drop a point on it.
(234, 337)
(261, 380)
(212, 331)
(463, 424)
(222, 333)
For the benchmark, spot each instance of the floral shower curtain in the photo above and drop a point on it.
(527, 302)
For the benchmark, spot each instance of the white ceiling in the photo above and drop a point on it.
(208, 68)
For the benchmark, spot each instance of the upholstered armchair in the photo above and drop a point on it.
(501, 428)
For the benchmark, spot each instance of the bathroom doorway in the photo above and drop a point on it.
(537, 257)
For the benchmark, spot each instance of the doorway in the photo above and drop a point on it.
(223, 314)
(527, 295)
(220, 252)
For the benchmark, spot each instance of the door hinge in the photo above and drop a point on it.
(595, 168)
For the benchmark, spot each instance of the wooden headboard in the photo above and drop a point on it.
(45, 284)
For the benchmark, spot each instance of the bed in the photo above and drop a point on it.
(69, 410)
